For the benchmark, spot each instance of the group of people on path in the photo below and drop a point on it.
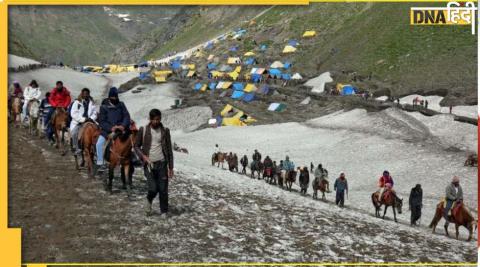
(454, 193)
(153, 144)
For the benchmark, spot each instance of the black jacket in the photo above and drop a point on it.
(416, 196)
(144, 143)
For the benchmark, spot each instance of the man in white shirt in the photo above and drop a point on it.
(31, 92)
(83, 109)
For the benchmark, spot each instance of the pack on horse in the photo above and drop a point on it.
(289, 178)
(87, 138)
(59, 125)
(256, 166)
(119, 152)
(16, 110)
(33, 108)
(219, 158)
(389, 199)
(460, 217)
(319, 183)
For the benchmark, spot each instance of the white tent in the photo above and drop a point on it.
(273, 106)
(318, 83)
(297, 76)
(276, 65)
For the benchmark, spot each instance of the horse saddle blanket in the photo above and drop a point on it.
(456, 207)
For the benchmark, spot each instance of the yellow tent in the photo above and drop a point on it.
(162, 73)
(238, 69)
(210, 57)
(226, 85)
(226, 109)
(289, 49)
(234, 75)
(199, 54)
(250, 53)
(232, 122)
(309, 34)
(191, 73)
(160, 79)
(233, 60)
(131, 68)
(250, 87)
(247, 76)
(191, 66)
(204, 88)
(216, 74)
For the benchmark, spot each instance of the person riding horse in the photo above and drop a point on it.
(59, 98)
(83, 110)
(32, 93)
(217, 151)
(453, 195)
(322, 175)
(113, 118)
(383, 181)
(287, 165)
(268, 166)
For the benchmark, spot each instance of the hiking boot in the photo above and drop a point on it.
(148, 209)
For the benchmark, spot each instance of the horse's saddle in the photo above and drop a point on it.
(456, 207)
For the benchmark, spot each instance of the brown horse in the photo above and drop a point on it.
(319, 184)
(219, 158)
(289, 177)
(15, 110)
(461, 217)
(389, 199)
(88, 137)
(59, 125)
(232, 163)
(120, 155)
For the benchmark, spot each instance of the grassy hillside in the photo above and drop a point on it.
(81, 34)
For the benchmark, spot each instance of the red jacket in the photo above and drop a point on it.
(385, 180)
(59, 99)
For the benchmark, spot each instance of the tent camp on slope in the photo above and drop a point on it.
(250, 88)
(289, 49)
(309, 34)
(277, 107)
(224, 85)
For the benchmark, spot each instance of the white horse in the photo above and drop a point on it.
(34, 114)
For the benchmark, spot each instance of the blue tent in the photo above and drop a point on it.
(275, 72)
(209, 45)
(249, 97)
(293, 43)
(264, 90)
(176, 65)
(263, 47)
(286, 76)
(233, 49)
(238, 86)
(212, 85)
(143, 75)
(197, 87)
(249, 61)
(237, 94)
(348, 90)
(256, 78)
(287, 65)
(211, 66)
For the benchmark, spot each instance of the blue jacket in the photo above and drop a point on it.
(112, 115)
(288, 165)
(340, 185)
